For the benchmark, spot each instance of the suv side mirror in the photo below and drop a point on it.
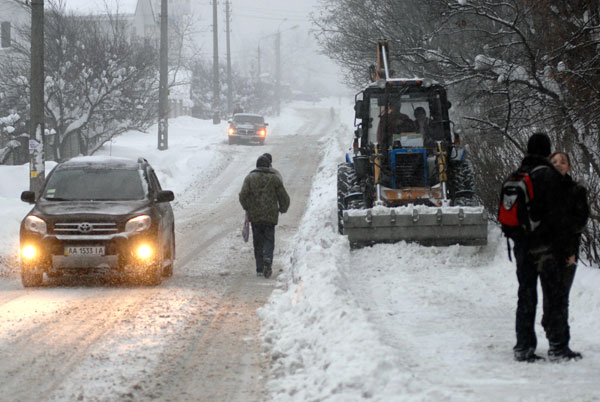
(28, 196)
(266, 124)
(165, 196)
(229, 121)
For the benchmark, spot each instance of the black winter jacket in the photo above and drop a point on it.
(548, 204)
(574, 220)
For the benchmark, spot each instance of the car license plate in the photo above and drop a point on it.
(84, 250)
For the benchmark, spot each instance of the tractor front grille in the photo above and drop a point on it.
(410, 170)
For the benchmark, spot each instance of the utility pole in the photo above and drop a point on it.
(258, 67)
(216, 88)
(278, 67)
(37, 171)
(229, 81)
(163, 91)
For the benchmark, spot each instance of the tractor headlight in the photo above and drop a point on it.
(28, 252)
(35, 224)
(138, 224)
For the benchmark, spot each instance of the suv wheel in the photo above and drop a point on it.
(153, 274)
(31, 279)
(168, 269)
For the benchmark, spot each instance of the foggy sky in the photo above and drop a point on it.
(253, 22)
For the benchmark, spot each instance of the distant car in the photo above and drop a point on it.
(99, 214)
(247, 127)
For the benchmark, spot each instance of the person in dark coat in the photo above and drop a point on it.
(577, 211)
(566, 250)
(536, 257)
(263, 197)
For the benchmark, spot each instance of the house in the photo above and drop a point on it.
(15, 15)
(146, 20)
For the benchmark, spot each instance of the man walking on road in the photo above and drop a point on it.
(263, 197)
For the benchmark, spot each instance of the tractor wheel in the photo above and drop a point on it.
(346, 180)
(461, 183)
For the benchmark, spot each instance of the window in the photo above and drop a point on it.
(5, 32)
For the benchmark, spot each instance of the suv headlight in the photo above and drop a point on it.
(138, 224)
(35, 224)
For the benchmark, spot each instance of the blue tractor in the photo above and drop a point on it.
(407, 176)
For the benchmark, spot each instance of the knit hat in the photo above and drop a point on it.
(263, 161)
(268, 156)
(539, 144)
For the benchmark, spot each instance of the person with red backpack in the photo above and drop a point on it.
(531, 208)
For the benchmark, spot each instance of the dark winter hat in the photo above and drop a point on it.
(420, 110)
(263, 161)
(268, 156)
(539, 144)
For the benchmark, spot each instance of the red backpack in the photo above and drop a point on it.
(516, 196)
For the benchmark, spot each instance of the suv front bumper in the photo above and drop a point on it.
(119, 251)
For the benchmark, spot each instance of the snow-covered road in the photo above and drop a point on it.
(386, 323)
(196, 336)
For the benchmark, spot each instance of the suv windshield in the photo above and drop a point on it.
(249, 119)
(95, 184)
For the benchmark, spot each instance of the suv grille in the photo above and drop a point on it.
(85, 228)
(246, 131)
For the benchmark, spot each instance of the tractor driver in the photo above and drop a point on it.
(393, 122)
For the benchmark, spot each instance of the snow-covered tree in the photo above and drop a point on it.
(252, 93)
(99, 81)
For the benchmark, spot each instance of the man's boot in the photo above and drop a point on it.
(562, 354)
(267, 270)
(527, 355)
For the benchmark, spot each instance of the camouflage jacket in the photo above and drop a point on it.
(263, 196)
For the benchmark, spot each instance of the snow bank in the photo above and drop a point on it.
(321, 343)
(406, 322)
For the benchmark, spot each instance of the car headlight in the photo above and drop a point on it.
(28, 252)
(144, 252)
(262, 132)
(231, 131)
(138, 224)
(35, 224)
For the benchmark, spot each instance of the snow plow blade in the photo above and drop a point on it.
(430, 226)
